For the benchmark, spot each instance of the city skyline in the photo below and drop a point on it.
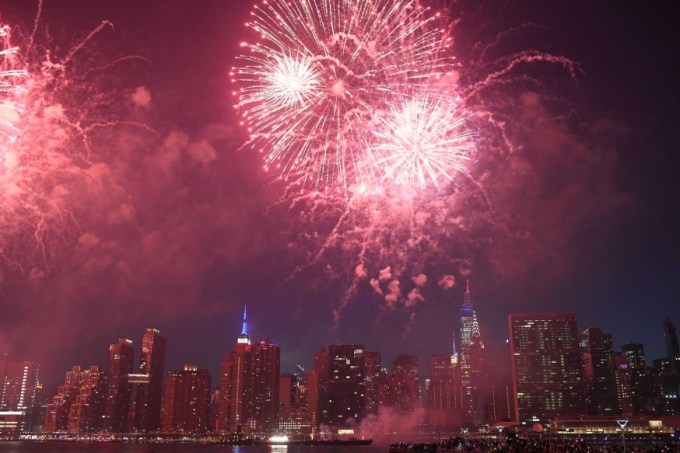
(166, 220)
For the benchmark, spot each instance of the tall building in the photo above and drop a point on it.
(150, 389)
(235, 389)
(446, 407)
(672, 347)
(546, 366)
(471, 361)
(18, 388)
(321, 364)
(641, 378)
(119, 391)
(599, 372)
(87, 411)
(624, 389)
(266, 369)
(346, 396)
(59, 408)
(249, 386)
(404, 394)
(372, 367)
(186, 400)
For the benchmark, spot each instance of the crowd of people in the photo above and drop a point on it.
(512, 444)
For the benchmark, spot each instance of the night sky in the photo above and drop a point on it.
(168, 222)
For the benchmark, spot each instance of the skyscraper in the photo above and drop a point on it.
(546, 366)
(404, 394)
(234, 405)
(372, 367)
(121, 362)
(149, 395)
(599, 372)
(672, 347)
(59, 408)
(18, 386)
(471, 361)
(266, 369)
(87, 411)
(186, 397)
(445, 394)
(346, 396)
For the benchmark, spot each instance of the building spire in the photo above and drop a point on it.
(467, 285)
(243, 337)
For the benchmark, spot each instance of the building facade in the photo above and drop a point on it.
(546, 366)
(186, 401)
(119, 391)
(150, 389)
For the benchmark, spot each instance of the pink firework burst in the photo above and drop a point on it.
(12, 93)
(320, 72)
(422, 140)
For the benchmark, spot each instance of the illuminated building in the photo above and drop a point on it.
(404, 393)
(599, 372)
(641, 379)
(445, 394)
(321, 365)
(18, 388)
(313, 401)
(150, 388)
(87, 411)
(624, 390)
(471, 361)
(346, 397)
(59, 408)
(372, 367)
(249, 385)
(186, 399)
(546, 366)
(266, 368)
(235, 394)
(121, 363)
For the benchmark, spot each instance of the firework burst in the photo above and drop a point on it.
(12, 94)
(422, 140)
(321, 73)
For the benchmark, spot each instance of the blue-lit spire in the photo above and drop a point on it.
(243, 337)
(467, 309)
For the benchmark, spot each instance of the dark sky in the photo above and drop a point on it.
(166, 223)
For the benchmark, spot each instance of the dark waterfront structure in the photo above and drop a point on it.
(121, 363)
(546, 366)
(150, 393)
(346, 396)
(186, 399)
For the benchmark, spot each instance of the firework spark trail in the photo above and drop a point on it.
(45, 171)
(414, 188)
(311, 90)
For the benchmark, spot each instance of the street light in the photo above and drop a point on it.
(622, 424)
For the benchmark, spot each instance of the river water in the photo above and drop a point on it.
(114, 447)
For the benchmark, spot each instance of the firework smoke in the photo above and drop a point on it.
(53, 113)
